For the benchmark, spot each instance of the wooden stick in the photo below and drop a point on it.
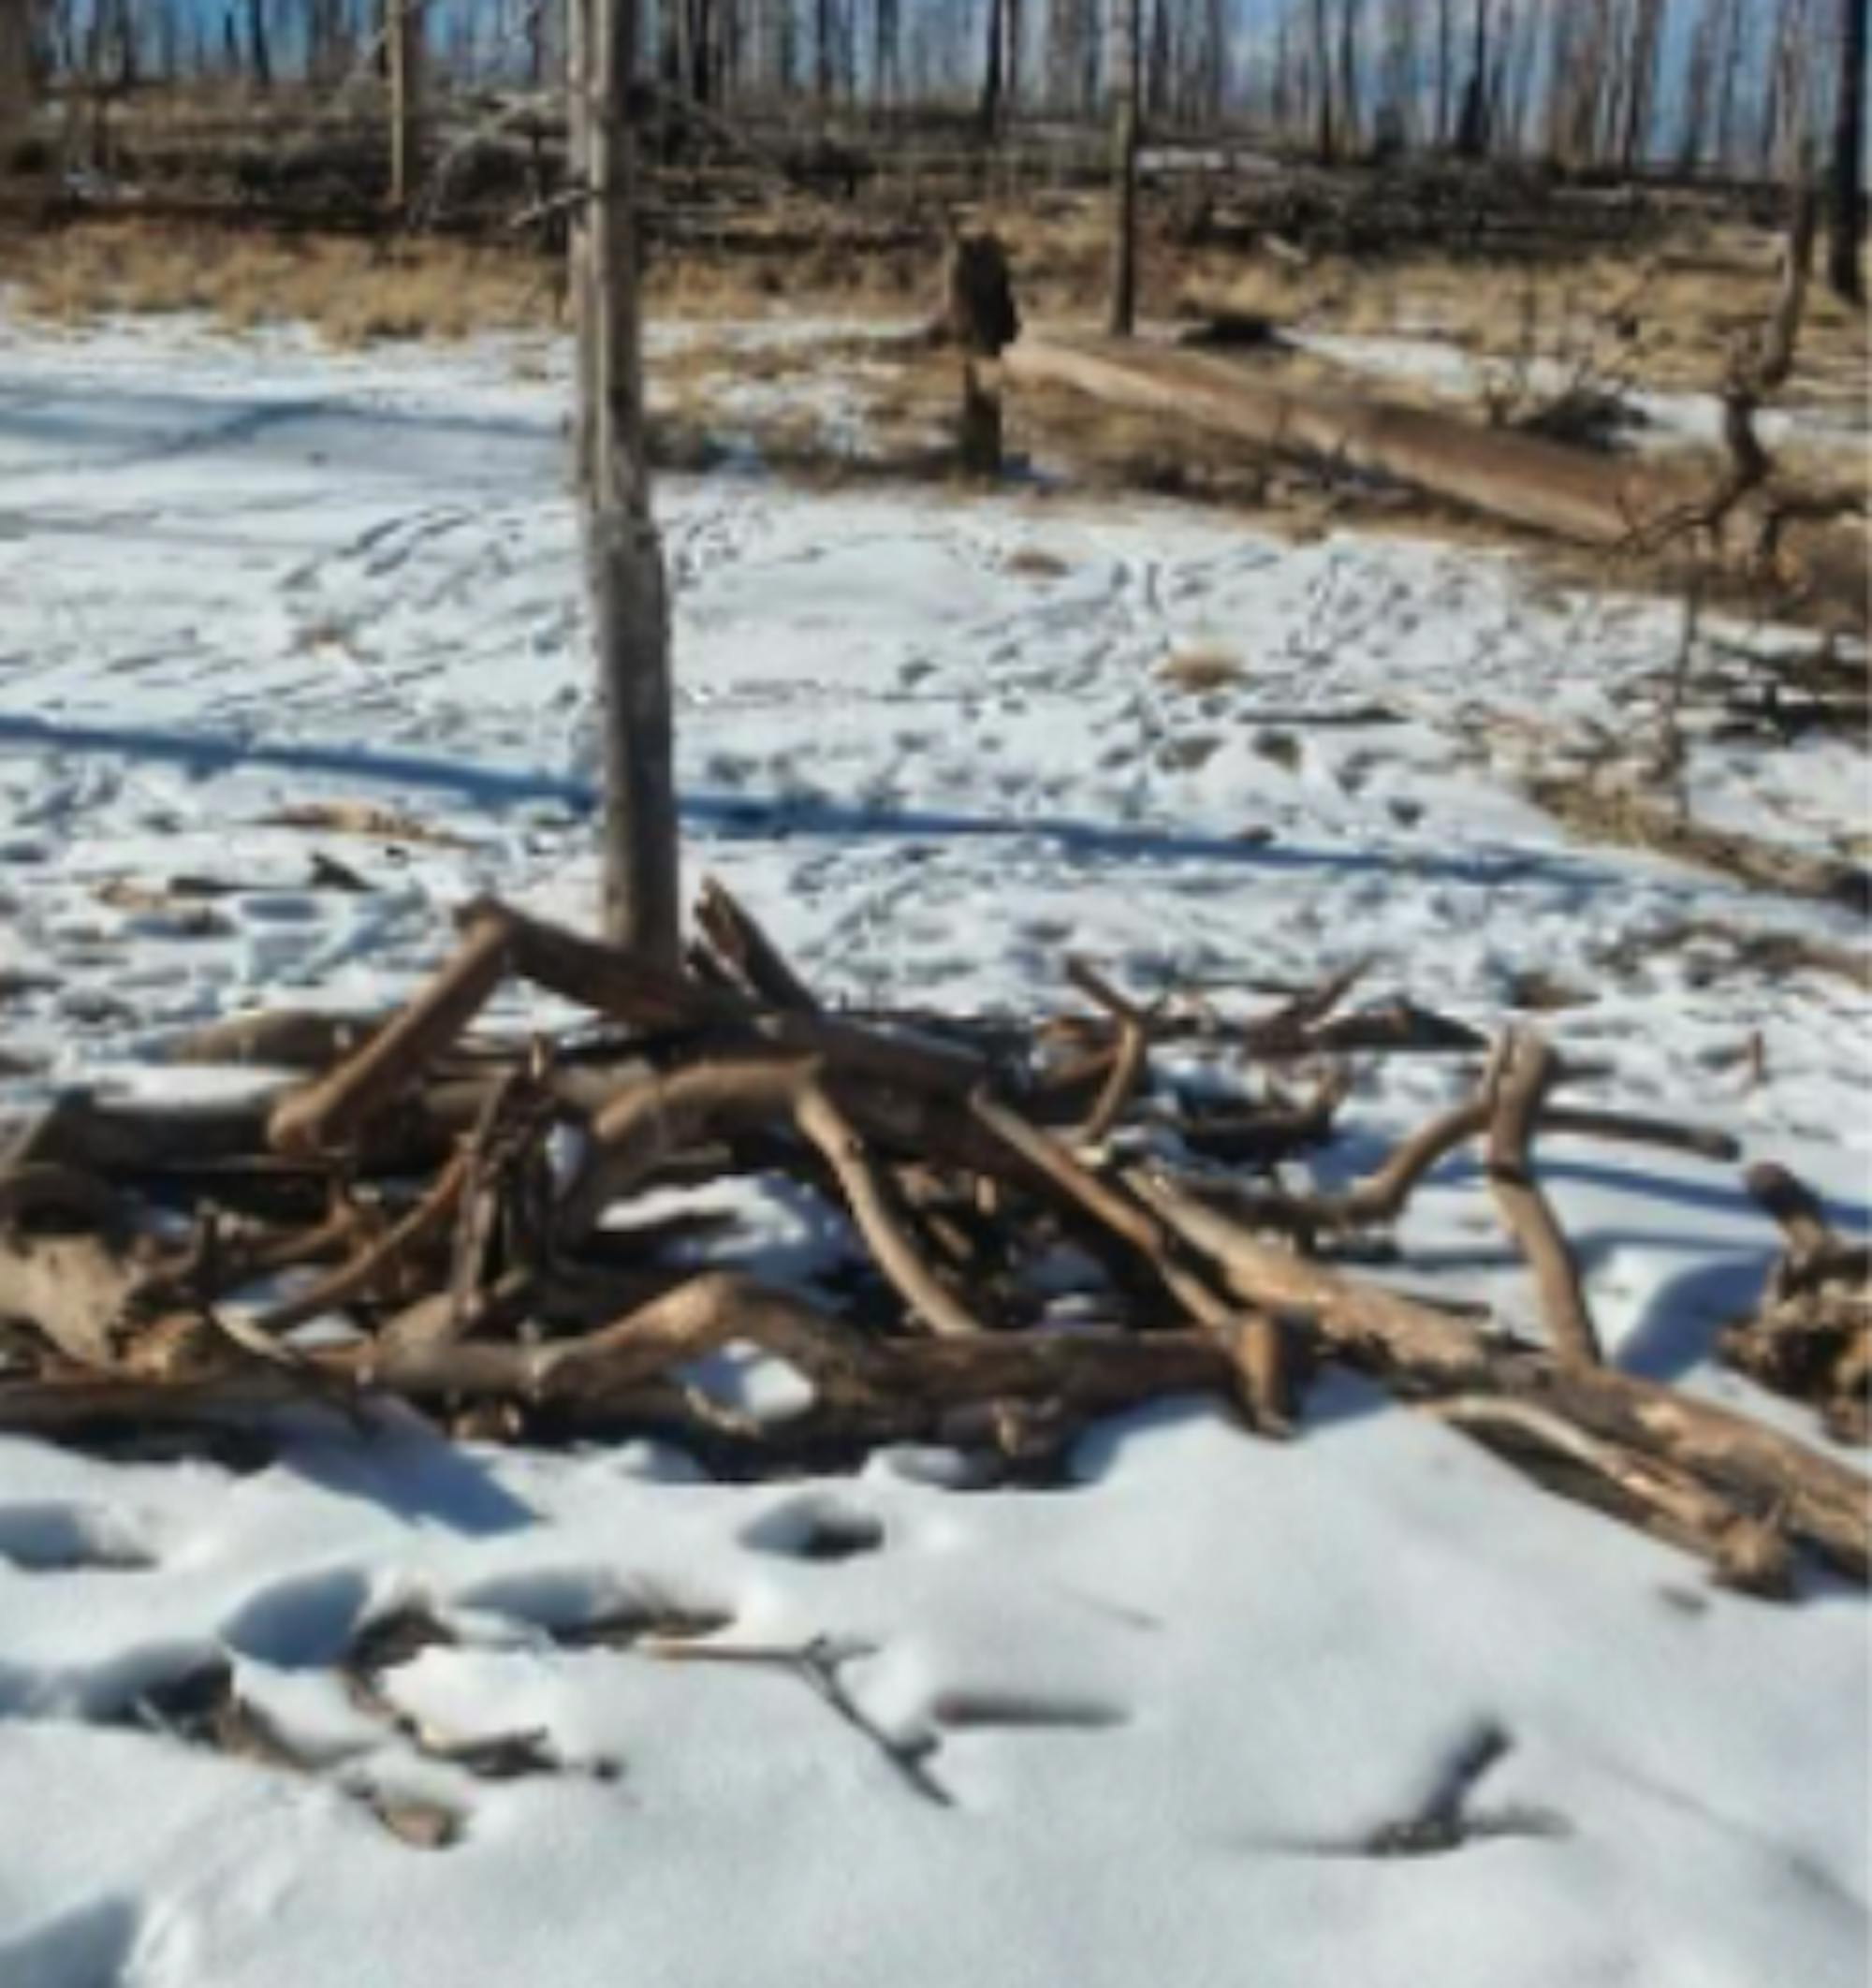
(887, 1233)
(657, 998)
(1425, 1352)
(427, 1222)
(738, 938)
(330, 1113)
(1530, 1067)
(1381, 1197)
(1251, 1339)
(1746, 1553)
(655, 1117)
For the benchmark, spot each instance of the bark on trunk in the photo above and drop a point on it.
(622, 552)
(1846, 264)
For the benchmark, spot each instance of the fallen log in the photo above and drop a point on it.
(1429, 1354)
(1607, 502)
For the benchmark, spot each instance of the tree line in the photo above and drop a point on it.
(1730, 87)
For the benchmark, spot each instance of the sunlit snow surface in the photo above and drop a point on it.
(1167, 1706)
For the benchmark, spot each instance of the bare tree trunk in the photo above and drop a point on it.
(1845, 254)
(1730, 71)
(988, 109)
(1155, 74)
(1446, 64)
(886, 60)
(1214, 87)
(1472, 128)
(1783, 105)
(16, 77)
(1121, 37)
(623, 554)
(260, 54)
(1699, 87)
(1641, 68)
(1323, 84)
(1349, 25)
(403, 32)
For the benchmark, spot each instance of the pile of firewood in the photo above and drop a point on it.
(459, 1224)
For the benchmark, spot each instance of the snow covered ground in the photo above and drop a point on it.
(1661, 420)
(932, 740)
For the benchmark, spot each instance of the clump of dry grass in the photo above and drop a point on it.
(1201, 668)
(351, 291)
(1665, 320)
(1033, 563)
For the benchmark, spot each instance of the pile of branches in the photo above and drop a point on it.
(419, 1218)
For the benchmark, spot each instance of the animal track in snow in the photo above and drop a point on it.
(64, 1538)
(816, 1529)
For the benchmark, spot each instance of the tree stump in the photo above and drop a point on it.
(982, 320)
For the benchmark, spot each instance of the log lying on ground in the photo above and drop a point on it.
(490, 1287)
(1610, 502)
(1431, 1354)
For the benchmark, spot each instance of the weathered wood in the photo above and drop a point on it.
(1429, 1352)
(332, 1112)
(882, 1221)
(1615, 504)
(623, 554)
(740, 940)
(643, 992)
(1528, 1073)
(403, 51)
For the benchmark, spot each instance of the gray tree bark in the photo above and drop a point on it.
(623, 554)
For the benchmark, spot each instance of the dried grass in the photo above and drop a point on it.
(350, 291)
(1201, 669)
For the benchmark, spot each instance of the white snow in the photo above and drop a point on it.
(1665, 419)
(1168, 1701)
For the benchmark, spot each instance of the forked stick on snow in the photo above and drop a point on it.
(1528, 1069)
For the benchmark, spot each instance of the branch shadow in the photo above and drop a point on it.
(742, 816)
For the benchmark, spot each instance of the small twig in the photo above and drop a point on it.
(818, 1666)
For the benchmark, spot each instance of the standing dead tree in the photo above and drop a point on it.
(1846, 255)
(402, 56)
(623, 555)
(16, 75)
(1121, 40)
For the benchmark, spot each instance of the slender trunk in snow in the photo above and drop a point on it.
(623, 555)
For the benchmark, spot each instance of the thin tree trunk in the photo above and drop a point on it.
(402, 40)
(1729, 69)
(1121, 79)
(16, 75)
(1349, 24)
(1472, 132)
(1323, 83)
(988, 109)
(1846, 254)
(623, 555)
